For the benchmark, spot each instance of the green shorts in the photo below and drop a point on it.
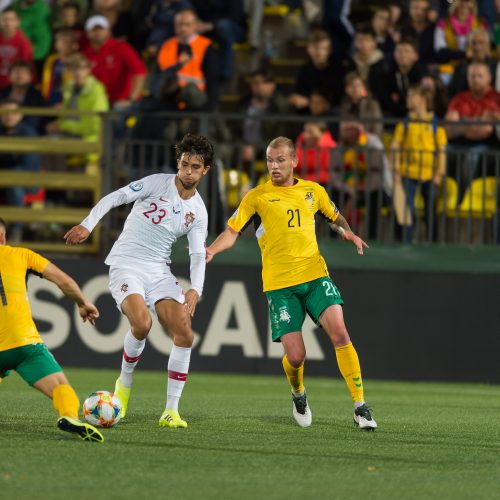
(32, 362)
(288, 306)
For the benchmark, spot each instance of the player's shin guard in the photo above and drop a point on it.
(294, 375)
(347, 359)
(65, 401)
(132, 350)
(178, 367)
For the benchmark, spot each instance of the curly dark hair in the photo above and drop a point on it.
(197, 145)
(3, 223)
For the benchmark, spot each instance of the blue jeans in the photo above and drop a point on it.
(428, 191)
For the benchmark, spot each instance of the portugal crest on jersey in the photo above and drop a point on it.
(188, 219)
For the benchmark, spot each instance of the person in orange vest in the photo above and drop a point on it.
(188, 65)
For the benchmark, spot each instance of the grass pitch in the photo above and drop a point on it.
(434, 441)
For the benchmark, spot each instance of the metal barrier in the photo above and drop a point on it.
(85, 178)
(360, 179)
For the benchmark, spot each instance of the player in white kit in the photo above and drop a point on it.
(166, 206)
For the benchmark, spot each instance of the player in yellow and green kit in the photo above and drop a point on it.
(294, 274)
(21, 347)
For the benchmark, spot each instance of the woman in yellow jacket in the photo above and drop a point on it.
(418, 148)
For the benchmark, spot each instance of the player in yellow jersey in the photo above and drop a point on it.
(294, 274)
(21, 347)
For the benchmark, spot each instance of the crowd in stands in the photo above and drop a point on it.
(412, 61)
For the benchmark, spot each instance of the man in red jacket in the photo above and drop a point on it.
(14, 45)
(115, 63)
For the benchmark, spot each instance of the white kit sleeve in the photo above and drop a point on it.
(197, 238)
(122, 196)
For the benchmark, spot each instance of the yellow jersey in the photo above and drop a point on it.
(17, 327)
(285, 230)
(418, 142)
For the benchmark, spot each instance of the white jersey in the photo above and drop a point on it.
(157, 219)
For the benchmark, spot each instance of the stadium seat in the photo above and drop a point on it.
(450, 190)
(480, 199)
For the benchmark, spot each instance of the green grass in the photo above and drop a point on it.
(434, 441)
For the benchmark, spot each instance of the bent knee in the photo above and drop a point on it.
(140, 329)
(296, 358)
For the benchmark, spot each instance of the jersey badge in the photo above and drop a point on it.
(309, 197)
(124, 287)
(136, 186)
(188, 219)
(284, 314)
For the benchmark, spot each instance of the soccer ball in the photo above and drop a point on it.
(102, 409)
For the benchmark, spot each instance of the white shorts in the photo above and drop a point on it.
(152, 286)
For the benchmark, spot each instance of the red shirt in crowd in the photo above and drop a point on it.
(469, 106)
(115, 64)
(16, 48)
(314, 163)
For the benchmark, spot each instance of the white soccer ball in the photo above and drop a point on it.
(102, 409)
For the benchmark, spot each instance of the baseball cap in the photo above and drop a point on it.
(96, 21)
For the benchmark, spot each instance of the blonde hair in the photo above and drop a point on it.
(283, 141)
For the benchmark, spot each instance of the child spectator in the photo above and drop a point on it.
(419, 158)
(55, 74)
(357, 104)
(35, 24)
(314, 150)
(14, 45)
(70, 17)
(82, 92)
(22, 91)
(319, 73)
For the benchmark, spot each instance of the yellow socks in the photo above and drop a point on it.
(65, 401)
(347, 359)
(294, 375)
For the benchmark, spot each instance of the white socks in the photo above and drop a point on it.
(178, 367)
(132, 350)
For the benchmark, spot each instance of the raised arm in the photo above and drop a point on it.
(71, 289)
(224, 241)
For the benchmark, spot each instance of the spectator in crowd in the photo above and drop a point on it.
(450, 36)
(366, 177)
(83, 92)
(481, 103)
(120, 21)
(36, 25)
(159, 22)
(320, 108)
(12, 125)
(418, 149)
(420, 27)
(225, 22)
(367, 58)
(115, 63)
(263, 100)
(188, 67)
(357, 104)
(14, 46)
(391, 90)
(314, 152)
(380, 24)
(478, 50)
(438, 91)
(55, 72)
(319, 73)
(22, 91)
(69, 13)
